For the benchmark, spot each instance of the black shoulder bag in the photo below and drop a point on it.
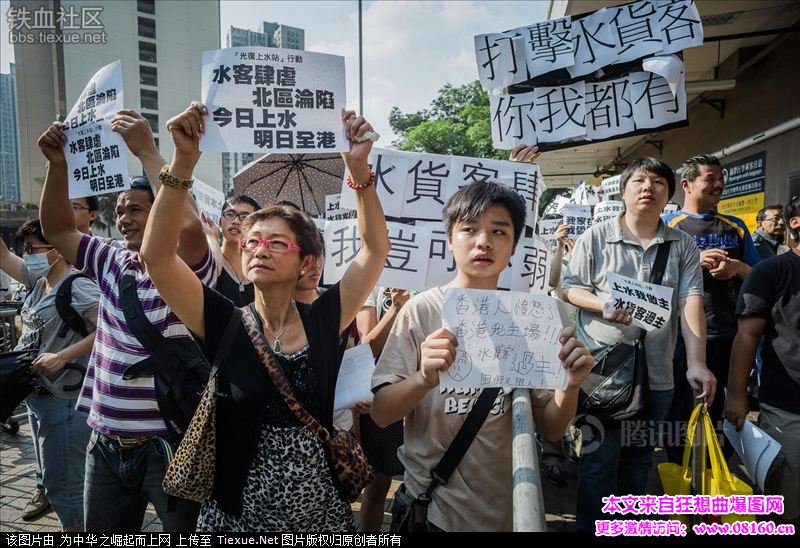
(72, 320)
(618, 389)
(178, 366)
(410, 515)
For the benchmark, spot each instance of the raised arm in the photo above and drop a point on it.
(138, 136)
(178, 285)
(11, 264)
(55, 209)
(366, 268)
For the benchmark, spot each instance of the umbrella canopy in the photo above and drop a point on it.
(304, 179)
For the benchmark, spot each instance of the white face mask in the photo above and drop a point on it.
(37, 264)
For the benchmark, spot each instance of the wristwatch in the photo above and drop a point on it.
(169, 179)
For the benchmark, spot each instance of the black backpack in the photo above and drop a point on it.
(72, 320)
(178, 366)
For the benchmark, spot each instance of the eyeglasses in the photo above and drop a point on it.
(277, 245)
(30, 249)
(231, 214)
(79, 207)
(773, 220)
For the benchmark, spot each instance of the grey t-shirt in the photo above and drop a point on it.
(604, 248)
(41, 322)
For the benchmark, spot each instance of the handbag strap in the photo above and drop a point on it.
(278, 378)
(464, 437)
(660, 264)
(224, 349)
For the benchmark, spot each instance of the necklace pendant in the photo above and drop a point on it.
(276, 347)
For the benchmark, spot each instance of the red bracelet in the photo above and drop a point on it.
(355, 186)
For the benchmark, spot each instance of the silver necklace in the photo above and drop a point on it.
(276, 345)
(235, 275)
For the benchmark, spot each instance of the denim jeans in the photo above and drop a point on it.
(121, 481)
(609, 468)
(60, 435)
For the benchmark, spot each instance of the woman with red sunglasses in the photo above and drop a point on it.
(271, 471)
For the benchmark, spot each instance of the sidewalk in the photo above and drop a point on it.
(17, 486)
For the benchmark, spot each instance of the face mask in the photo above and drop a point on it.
(37, 264)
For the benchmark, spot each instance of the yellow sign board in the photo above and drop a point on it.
(744, 207)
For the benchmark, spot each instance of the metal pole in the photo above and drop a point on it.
(528, 501)
(360, 64)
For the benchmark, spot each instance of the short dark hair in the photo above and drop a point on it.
(141, 182)
(763, 211)
(289, 204)
(300, 223)
(651, 165)
(792, 209)
(31, 227)
(472, 201)
(240, 199)
(91, 202)
(691, 167)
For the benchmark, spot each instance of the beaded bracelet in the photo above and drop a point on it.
(355, 186)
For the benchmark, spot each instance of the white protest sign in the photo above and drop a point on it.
(681, 26)
(610, 186)
(671, 207)
(608, 109)
(578, 217)
(560, 112)
(406, 265)
(505, 339)
(513, 120)
(531, 266)
(333, 209)
(650, 305)
(501, 59)
(547, 230)
(607, 210)
(594, 43)
(96, 160)
(416, 186)
(209, 200)
(100, 99)
(441, 263)
(271, 99)
(320, 223)
(354, 383)
(654, 104)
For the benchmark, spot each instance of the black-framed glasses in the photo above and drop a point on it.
(79, 207)
(30, 249)
(231, 214)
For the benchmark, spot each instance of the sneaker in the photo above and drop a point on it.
(555, 475)
(36, 507)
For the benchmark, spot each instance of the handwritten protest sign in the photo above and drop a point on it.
(95, 155)
(650, 305)
(671, 207)
(607, 210)
(610, 186)
(441, 263)
(271, 99)
(531, 266)
(354, 383)
(505, 339)
(209, 200)
(416, 186)
(578, 217)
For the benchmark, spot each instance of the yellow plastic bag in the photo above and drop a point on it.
(676, 479)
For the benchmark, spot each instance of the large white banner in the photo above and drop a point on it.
(505, 339)
(416, 186)
(271, 99)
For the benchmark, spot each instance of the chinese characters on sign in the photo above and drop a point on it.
(650, 305)
(268, 99)
(505, 339)
(578, 217)
(334, 211)
(96, 159)
(416, 186)
(577, 110)
(547, 230)
(607, 210)
(209, 200)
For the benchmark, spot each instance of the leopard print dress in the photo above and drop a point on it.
(289, 487)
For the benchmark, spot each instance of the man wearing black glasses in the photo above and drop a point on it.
(770, 232)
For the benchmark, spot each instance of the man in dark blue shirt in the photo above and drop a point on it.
(770, 232)
(726, 255)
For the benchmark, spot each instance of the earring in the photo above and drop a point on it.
(302, 272)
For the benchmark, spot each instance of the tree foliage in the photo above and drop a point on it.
(457, 122)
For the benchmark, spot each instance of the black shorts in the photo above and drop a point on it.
(380, 445)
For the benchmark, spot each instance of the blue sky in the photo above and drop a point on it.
(411, 49)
